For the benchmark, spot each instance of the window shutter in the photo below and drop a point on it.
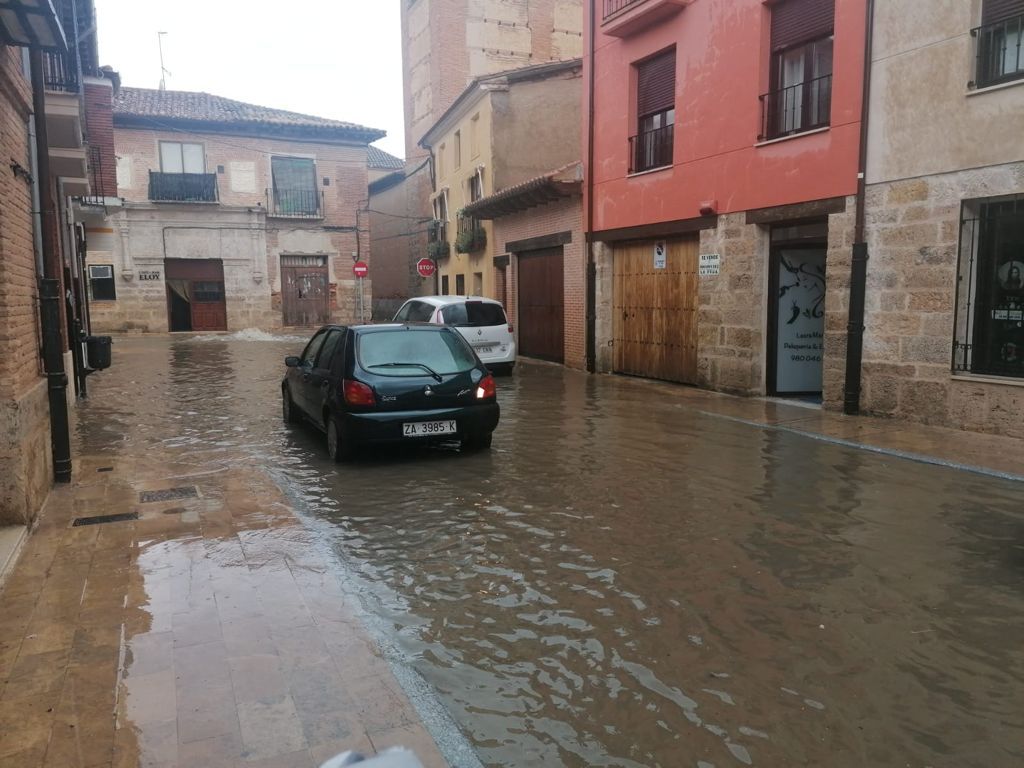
(656, 84)
(998, 10)
(800, 21)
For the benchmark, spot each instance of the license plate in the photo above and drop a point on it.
(427, 428)
(485, 350)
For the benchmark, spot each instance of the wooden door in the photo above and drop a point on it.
(655, 310)
(305, 292)
(542, 304)
(195, 291)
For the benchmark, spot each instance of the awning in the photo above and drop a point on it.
(31, 24)
(564, 182)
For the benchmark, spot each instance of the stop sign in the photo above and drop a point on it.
(359, 269)
(425, 267)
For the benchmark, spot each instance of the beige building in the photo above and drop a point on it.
(944, 340)
(235, 216)
(501, 131)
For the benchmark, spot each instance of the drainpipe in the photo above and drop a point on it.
(591, 341)
(859, 266)
(50, 285)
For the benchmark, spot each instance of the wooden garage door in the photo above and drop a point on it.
(542, 304)
(655, 311)
(305, 292)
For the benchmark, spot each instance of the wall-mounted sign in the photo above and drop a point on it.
(660, 255)
(710, 264)
(149, 275)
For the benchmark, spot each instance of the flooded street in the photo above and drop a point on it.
(627, 581)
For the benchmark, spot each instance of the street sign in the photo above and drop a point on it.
(359, 269)
(425, 267)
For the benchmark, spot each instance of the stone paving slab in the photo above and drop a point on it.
(209, 632)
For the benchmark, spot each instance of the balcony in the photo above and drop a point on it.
(651, 150)
(623, 18)
(60, 73)
(797, 109)
(295, 203)
(183, 187)
(1000, 58)
(471, 237)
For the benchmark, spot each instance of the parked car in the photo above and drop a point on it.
(374, 384)
(482, 322)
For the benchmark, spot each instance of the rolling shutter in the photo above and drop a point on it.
(998, 10)
(800, 21)
(656, 84)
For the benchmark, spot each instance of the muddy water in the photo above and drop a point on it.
(623, 581)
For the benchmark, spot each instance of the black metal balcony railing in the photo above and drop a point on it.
(1000, 52)
(60, 73)
(183, 187)
(295, 203)
(796, 109)
(611, 7)
(652, 149)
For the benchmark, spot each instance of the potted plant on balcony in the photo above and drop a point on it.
(472, 237)
(438, 249)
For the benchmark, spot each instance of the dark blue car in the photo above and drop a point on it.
(375, 384)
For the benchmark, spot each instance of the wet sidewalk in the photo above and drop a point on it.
(210, 631)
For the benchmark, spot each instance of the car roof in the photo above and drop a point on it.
(445, 301)
(398, 326)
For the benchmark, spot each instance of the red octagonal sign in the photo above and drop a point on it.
(359, 269)
(425, 267)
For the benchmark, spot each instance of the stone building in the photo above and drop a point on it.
(235, 216)
(445, 45)
(944, 340)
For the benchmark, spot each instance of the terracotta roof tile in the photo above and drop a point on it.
(384, 161)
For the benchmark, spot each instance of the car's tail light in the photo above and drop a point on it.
(357, 393)
(486, 389)
(511, 329)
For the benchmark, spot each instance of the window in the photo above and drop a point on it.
(1000, 42)
(208, 291)
(415, 312)
(656, 113)
(444, 285)
(440, 233)
(295, 190)
(801, 68)
(474, 314)
(476, 186)
(176, 157)
(474, 136)
(440, 161)
(312, 349)
(478, 283)
(457, 150)
(460, 285)
(101, 282)
(329, 348)
(990, 297)
(442, 351)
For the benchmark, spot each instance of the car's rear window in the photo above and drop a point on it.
(405, 353)
(474, 314)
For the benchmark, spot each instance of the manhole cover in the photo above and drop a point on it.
(169, 494)
(98, 519)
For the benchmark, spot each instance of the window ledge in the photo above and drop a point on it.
(983, 379)
(997, 87)
(185, 202)
(649, 171)
(295, 216)
(792, 136)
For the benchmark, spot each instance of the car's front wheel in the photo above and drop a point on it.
(339, 446)
(288, 411)
(477, 442)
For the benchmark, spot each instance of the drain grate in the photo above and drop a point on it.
(105, 469)
(169, 494)
(98, 519)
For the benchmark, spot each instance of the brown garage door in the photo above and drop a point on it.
(305, 293)
(542, 304)
(655, 310)
(195, 295)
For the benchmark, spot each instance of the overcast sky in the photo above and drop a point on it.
(340, 59)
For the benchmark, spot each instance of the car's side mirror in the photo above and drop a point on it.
(292, 362)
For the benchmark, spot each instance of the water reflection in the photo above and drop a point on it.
(623, 581)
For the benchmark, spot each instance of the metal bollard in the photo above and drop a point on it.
(396, 757)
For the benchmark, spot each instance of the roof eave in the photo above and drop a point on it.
(323, 134)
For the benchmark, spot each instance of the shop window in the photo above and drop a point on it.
(101, 282)
(990, 299)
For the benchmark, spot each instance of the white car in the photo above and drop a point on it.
(482, 322)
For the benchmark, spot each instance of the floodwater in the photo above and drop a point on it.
(624, 581)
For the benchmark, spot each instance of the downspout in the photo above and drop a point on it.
(591, 340)
(859, 265)
(50, 285)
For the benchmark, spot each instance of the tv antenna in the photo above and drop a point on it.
(163, 70)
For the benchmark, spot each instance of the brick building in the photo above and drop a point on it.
(445, 45)
(234, 216)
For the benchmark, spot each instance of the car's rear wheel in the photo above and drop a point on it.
(339, 446)
(288, 411)
(478, 441)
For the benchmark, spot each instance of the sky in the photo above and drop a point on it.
(339, 59)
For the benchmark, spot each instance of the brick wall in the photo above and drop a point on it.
(99, 128)
(561, 216)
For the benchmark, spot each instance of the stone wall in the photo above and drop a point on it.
(26, 457)
(837, 303)
(913, 237)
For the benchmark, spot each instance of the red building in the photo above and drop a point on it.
(722, 171)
